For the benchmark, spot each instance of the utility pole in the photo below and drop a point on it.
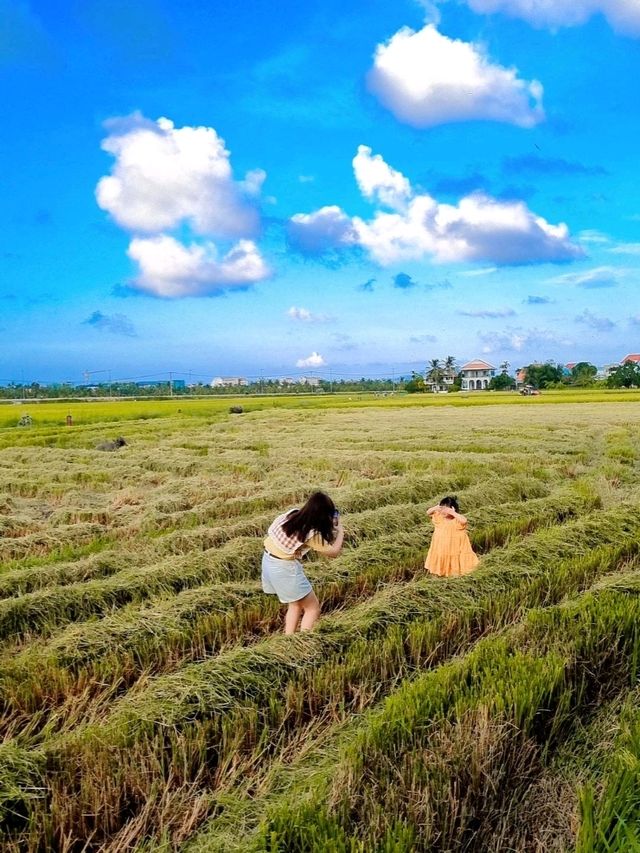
(171, 383)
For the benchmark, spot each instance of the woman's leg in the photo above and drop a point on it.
(311, 611)
(294, 612)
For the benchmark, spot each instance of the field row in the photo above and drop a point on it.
(210, 717)
(117, 650)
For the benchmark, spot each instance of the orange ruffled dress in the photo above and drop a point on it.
(450, 553)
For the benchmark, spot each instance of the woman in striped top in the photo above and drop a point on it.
(315, 526)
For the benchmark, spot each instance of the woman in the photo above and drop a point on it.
(450, 553)
(315, 526)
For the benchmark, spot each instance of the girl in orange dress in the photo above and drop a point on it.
(450, 553)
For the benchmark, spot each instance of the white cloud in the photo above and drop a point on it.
(306, 316)
(622, 15)
(165, 176)
(253, 181)
(377, 181)
(483, 271)
(591, 235)
(314, 360)
(626, 249)
(518, 339)
(478, 228)
(425, 78)
(172, 270)
(315, 233)
(598, 277)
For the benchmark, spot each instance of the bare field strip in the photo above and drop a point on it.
(144, 684)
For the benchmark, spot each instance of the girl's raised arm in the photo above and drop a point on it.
(457, 516)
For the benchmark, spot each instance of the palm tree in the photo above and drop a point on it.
(450, 366)
(434, 371)
(504, 366)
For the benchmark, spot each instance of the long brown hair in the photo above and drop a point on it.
(316, 515)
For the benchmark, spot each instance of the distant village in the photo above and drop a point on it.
(440, 376)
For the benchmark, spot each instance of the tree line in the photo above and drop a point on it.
(444, 373)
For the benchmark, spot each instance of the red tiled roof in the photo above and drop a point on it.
(477, 364)
(570, 365)
(634, 356)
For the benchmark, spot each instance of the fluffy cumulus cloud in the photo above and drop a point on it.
(172, 270)
(478, 228)
(425, 78)
(319, 232)
(378, 182)
(313, 360)
(518, 339)
(622, 15)
(116, 324)
(165, 176)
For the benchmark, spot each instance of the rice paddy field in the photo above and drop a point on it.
(149, 701)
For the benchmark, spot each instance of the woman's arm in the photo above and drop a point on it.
(433, 509)
(328, 549)
(455, 515)
(336, 546)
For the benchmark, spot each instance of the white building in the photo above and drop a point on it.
(313, 381)
(228, 382)
(476, 375)
(439, 381)
(607, 370)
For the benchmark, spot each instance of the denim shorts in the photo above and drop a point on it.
(284, 578)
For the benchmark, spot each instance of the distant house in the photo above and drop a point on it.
(476, 375)
(441, 381)
(521, 377)
(228, 382)
(288, 380)
(570, 365)
(632, 358)
(607, 370)
(313, 381)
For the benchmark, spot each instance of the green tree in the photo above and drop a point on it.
(625, 376)
(583, 374)
(502, 382)
(434, 371)
(416, 384)
(543, 375)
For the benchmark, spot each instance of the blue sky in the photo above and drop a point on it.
(221, 188)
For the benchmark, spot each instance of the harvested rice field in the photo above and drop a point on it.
(150, 702)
